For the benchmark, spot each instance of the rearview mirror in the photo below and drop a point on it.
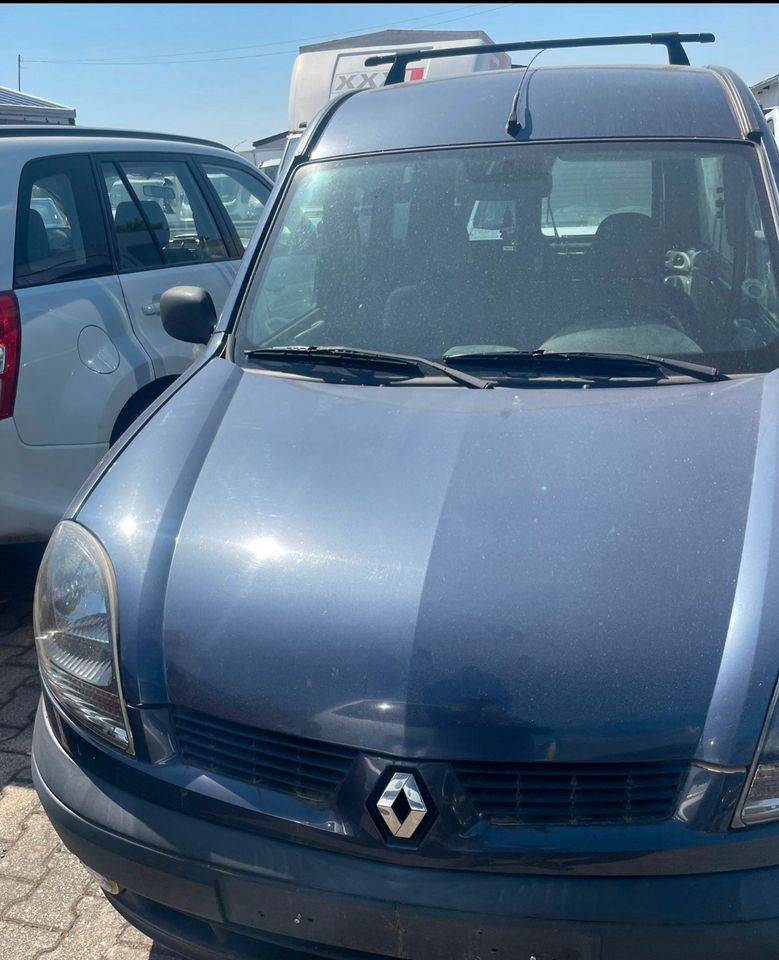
(188, 314)
(161, 193)
(528, 171)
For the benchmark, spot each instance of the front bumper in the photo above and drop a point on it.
(213, 891)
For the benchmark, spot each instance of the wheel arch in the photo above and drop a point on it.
(137, 403)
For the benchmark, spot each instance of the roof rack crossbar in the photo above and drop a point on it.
(671, 41)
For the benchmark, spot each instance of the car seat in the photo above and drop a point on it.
(34, 239)
(626, 291)
(448, 305)
(136, 247)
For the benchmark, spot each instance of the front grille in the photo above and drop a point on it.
(309, 768)
(562, 793)
(501, 793)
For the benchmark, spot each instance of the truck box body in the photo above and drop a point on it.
(326, 70)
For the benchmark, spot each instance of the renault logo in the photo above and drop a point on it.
(401, 806)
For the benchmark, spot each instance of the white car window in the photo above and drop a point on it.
(242, 196)
(160, 216)
(60, 230)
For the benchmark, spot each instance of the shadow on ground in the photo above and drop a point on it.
(18, 569)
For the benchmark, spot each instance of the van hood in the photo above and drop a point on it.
(435, 572)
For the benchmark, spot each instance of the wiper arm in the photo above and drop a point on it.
(582, 363)
(352, 356)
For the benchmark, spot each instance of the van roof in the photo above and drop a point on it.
(558, 103)
(396, 38)
(8, 131)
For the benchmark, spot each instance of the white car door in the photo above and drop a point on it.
(79, 361)
(166, 234)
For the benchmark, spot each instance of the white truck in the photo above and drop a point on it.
(325, 70)
(767, 94)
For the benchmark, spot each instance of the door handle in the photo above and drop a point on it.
(151, 309)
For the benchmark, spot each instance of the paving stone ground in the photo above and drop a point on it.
(50, 909)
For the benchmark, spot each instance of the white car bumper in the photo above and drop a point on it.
(37, 483)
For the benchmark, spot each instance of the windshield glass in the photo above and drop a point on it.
(649, 248)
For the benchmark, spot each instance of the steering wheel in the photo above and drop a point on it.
(186, 241)
(602, 316)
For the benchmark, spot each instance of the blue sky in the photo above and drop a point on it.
(239, 89)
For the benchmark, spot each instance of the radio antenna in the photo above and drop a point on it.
(512, 124)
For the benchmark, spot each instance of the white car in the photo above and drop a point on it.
(94, 226)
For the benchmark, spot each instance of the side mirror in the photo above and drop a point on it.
(188, 314)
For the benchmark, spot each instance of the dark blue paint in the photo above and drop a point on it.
(558, 103)
(427, 574)
(181, 869)
(445, 573)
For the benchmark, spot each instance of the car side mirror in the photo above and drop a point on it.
(188, 314)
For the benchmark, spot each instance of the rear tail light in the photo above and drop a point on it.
(10, 348)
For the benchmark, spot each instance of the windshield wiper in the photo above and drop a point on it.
(583, 364)
(373, 359)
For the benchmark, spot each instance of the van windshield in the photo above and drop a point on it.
(643, 248)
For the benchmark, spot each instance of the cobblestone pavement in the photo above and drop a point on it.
(50, 909)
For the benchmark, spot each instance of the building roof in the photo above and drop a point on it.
(393, 38)
(274, 140)
(558, 103)
(7, 95)
(754, 87)
(18, 107)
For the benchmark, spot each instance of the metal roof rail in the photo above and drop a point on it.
(671, 41)
(67, 130)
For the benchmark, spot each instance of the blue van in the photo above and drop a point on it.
(433, 613)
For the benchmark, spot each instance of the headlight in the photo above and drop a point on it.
(76, 633)
(761, 799)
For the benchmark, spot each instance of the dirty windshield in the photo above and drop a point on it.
(651, 248)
